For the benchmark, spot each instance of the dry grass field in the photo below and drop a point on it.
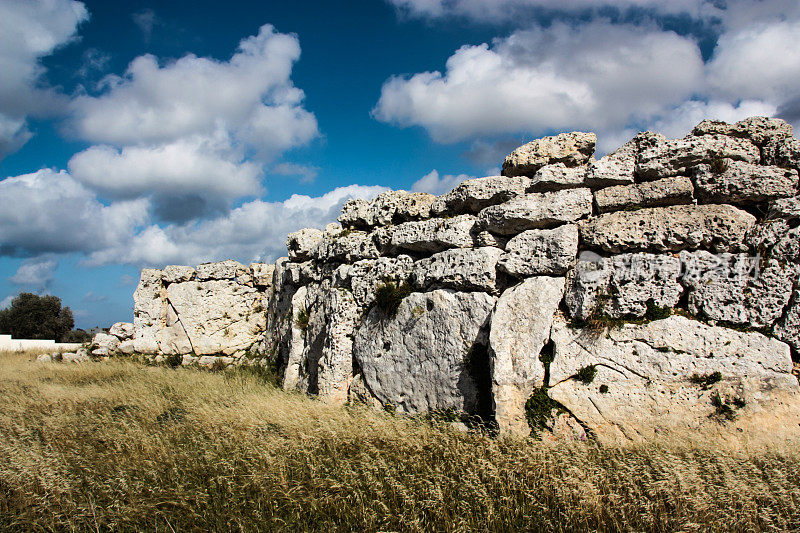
(123, 447)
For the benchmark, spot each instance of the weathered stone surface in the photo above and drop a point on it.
(473, 195)
(737, 182)
(617, 168)
(296, 338)
(661, 229)
(788, 327)
(643, 386)
(520, 328)
(122, 330)
(572, 149)
(558, 177)
(667, 191)
(301, 244)
(223, 270)
(75, 358)
(541, 252)
(782, 153)
(677, 157)
(177, 273)
(391, 207)
(126, 347)
(471, 269)
(785, 208)
(734, 288)
(622, 285)
(327, 360)
(486, 238)
(262, 274)
(760, 130)
(420, 359)
(435, 235)
(149, 311)
(218, 317)
(349, 246)
(537, 211)
(366, 275)
(45, 358)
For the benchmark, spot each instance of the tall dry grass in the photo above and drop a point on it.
(117, 446)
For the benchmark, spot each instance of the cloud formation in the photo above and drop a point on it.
(602, 75)
(433, 183)
(193, 135)
(36, 273)
(30, 30)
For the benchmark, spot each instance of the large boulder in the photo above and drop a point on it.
(537, 211)
(667, 191)
(178, 273)
(642, 381)
(366, 276)
(149, 311)
(737, 182)
(122, 330)
(668, 229)
(520, 328)
(788, 208)
(572, 149)
(262, 274)
(349, 246)
(302, 243)
(783, 153)
(759, 130)
(471, 269)
(623, 285)
(541, 252)
(390, 207)
(473, 195)
(104, 344)
(218, 316)
(327, 358)
(677, 157)
(736, 288)
(617, 168)
(427, 357)
(434, 235)
(222, 270)
(558, 177)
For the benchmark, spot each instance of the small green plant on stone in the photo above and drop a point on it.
(723, 409)
(719, 165)
(173, 360)
(706, 380)
(418, 311)
(539, 408)
(390, 294)
(586, 374)
(303, 315)
(603, 389)
(655, 312)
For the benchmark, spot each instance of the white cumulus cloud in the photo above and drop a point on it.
(30, 30)
(36, 273)
(598, 76)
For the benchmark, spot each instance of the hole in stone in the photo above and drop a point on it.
(387, 346)
(430, 305)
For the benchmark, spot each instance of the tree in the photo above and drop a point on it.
(36, 317)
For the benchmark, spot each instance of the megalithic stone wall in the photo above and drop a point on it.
(656, 287)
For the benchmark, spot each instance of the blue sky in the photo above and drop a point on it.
(139, 134)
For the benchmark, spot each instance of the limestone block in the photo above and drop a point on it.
(471, 269)
(349, 246)
(572, 149)
(390, 207)
(660, 229)
(520, 328)
(473, 195)
(420, 360)
(222, 270)
(301, 244)
(677, 157)
(666, 191)
(616, 168)
(177, 273)
(736, 288)
(537, 211)
(122, 330)
(541, 252)
(434, 235)
(558, 177)
(367, 275)
(741, 183)
(149, 311)
(759, 130)
(262, 274)
(643, 382)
